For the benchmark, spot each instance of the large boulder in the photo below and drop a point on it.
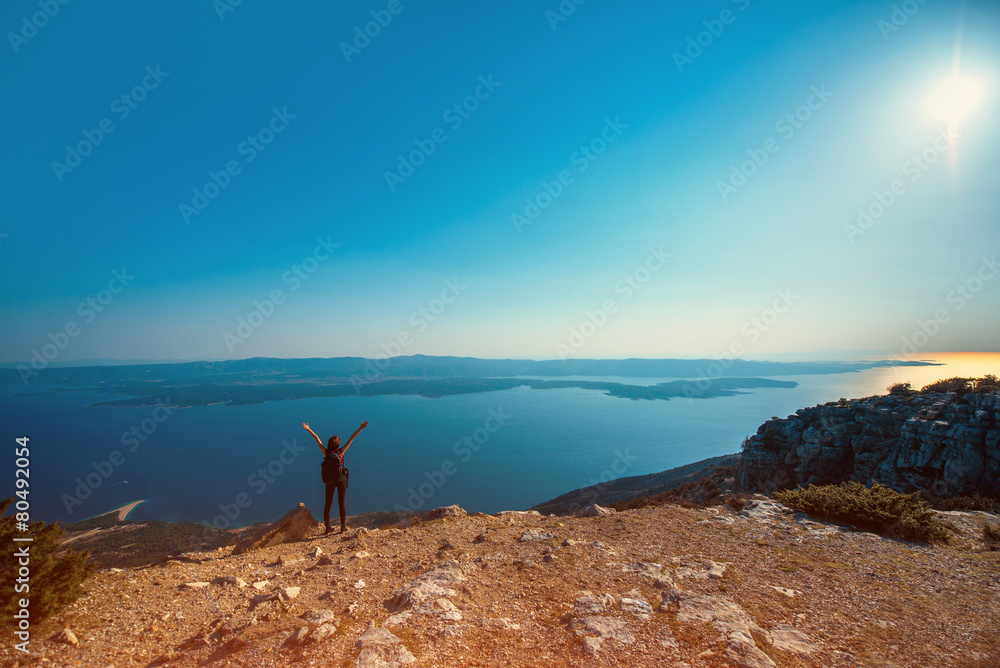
(293, 526)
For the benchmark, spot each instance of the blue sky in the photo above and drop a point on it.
(451, 258)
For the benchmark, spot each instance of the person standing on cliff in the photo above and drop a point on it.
(334, 473)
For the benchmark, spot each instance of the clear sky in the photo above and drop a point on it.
(498, 179)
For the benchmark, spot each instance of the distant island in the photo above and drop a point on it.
(254, 381)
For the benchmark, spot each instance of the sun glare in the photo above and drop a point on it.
(955, 98)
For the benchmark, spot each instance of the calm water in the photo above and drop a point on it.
(200, 462)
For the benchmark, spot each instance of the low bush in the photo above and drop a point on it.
(901, 389)
(877, 508)
(55, 576)
(991, 536)
(975, 502)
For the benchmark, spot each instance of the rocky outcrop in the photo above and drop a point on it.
(944, 443)
(293, 526)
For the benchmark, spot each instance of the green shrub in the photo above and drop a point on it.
(975, 502)
(991, 536)
(736, 501)
(877, 508)
(55, 576)
(987, 383)
(901, 389)
(958, 385)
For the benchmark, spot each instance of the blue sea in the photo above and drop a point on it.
(485, 452)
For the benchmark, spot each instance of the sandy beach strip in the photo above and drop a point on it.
(126, 509)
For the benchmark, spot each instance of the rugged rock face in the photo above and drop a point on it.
(942, 443)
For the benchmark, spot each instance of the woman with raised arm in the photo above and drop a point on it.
(334, 473)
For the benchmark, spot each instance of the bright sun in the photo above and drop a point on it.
(955, 98)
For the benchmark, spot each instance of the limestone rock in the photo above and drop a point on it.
(788, 639)
(533, 535)
(434, 583)
(65, 636)
(603, 628)
(445, 511)
(194, 585)
(381, 649)
(943, 443)
(293, 526)
(594, 510)
(229, 580)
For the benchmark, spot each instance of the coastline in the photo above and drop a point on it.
(125, 510)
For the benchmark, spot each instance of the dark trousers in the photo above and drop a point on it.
(341, 492)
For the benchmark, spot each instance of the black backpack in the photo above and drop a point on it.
(334, 471)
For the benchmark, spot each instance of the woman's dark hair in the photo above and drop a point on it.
(333, 442)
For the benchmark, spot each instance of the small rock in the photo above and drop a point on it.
(533, 535)
(194, 585)
(318, 617)
(594, 510)
(360, 584)
(790, 593)
(361, 554)
(297, 637)
(325, 560)
(229, 580)
(315, 554)
(66, 636)
(288, 593)
(381, 649)
(481, 538)
(260, 584)
(570, 542)
(445, 511)
(322, 632)
(288, 561)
